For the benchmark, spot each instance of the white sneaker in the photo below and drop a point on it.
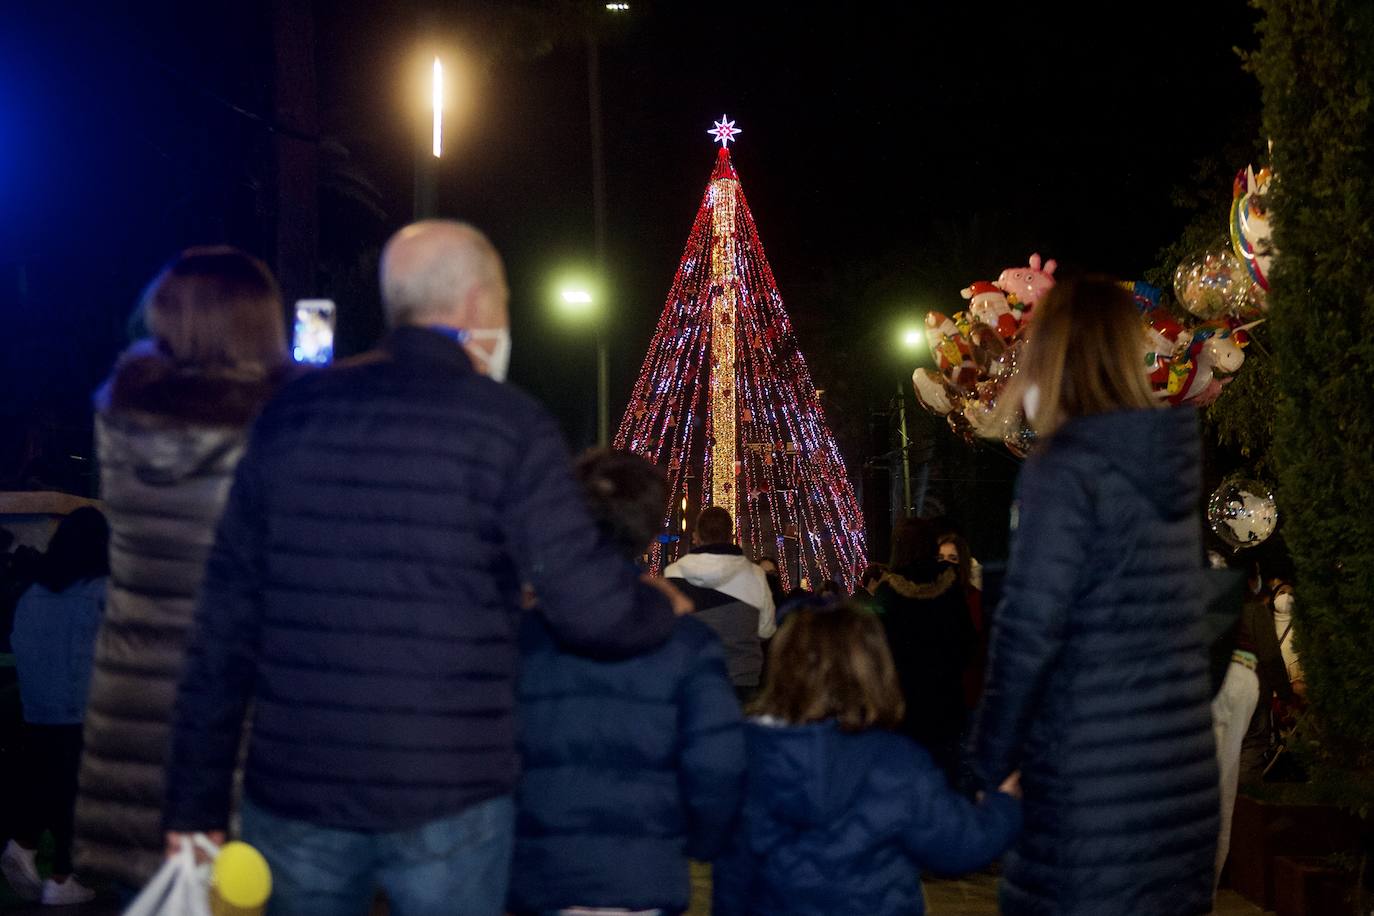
(68, 892)
(20, 871)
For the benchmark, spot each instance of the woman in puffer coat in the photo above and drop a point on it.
(171, 424)
(1098, 687)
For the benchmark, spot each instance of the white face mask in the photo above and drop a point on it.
(1284, 603)
(499, 359)
(1030, 401)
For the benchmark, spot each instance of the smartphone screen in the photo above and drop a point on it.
(313, 339)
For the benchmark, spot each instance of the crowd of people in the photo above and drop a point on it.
(373, 620)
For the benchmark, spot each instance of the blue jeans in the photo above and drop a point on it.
(454, 865)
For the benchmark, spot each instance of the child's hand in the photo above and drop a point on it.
(1011, 785)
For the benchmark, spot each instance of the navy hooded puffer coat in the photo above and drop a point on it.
(629, 768)
(1097, 683)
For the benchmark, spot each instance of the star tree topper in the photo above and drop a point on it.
(724, 131)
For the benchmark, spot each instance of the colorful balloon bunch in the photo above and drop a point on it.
(976, 350)
(1226, 287)
(1191, 364)
(975, 353)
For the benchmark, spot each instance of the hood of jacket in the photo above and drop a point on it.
(712, 568)
(149, 384)
(1157, 451)
(923, 582)
(168, 424)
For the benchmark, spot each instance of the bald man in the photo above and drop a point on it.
(363, 593)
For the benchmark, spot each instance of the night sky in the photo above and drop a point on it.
(891, 153)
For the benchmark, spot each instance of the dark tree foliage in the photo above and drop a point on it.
(1315, 65)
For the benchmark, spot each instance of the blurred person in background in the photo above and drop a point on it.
(55, 624)
(925, 616)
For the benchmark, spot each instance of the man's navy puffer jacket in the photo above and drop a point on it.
(838, 824)
(1097, 686)
(363, 591)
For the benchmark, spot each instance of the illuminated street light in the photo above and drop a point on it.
(618, 7)
(577, 297)
(912, 338)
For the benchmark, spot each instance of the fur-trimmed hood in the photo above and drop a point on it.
(146, 384)
(905, 587)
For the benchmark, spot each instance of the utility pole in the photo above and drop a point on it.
(603, 360)
(904, 443)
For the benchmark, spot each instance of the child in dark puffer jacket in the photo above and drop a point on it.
(630, 767)
(841, 815)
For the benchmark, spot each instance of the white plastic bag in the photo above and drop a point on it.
(181, 886)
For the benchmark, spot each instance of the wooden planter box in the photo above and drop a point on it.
(1262, 831)
(1306, 885)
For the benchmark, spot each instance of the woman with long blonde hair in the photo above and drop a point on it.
(1097, 686)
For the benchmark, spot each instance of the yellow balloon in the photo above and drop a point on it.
(242, 878)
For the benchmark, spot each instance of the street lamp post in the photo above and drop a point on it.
(427, 155)
(912, 339)
(603, 386)
(905, 443)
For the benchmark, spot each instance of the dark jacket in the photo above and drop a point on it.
(932, 639)
(1098, 674)
(732, 597)
(629, 768)
(836, 824)
(363, 590)
(168, 442)
(54, 647)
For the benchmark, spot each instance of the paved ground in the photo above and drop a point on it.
(975, 895)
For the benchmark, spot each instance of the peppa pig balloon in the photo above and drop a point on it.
(1028, 285)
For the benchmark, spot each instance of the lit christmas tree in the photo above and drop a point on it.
(726, 402)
